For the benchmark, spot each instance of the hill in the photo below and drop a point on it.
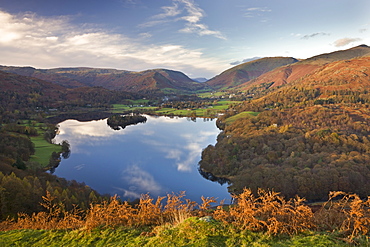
(43, 75)
(158, 80)
(248, 71)
(331, 81)
(13, 83)
(358, 51)
(310, 136)
(18, 92)
(292, 72)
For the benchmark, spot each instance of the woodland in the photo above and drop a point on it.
(309, 138)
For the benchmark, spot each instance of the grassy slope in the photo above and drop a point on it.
(43, 150)
(191, 232)
(240, 115)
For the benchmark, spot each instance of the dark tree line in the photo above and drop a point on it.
(23, 192)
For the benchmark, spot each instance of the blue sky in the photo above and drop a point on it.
(201, 38)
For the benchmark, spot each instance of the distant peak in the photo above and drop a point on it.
(363, 45)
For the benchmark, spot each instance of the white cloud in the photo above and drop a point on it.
(52, 38)
(173, 154)
(130, 3)
(259, 9)
(195, 14)
(296, 34)
(192, 17)
(152, 23)
(256, 11)
(145, 35)
(345, 41)
(169, 11)
(57, 42)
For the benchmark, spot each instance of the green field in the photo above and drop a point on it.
(176, 112)
(119, 108)
(224, 104)
(240, 115)
(212, 111)
(211, 94)
(43, 150)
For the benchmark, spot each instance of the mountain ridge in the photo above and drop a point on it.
(289, 73)
(154, 80)
(272, 71)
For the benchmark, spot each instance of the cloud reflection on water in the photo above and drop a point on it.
(95, 128)
(184, 152)
(172, 139)
(194, 147)
(157, 156)
(94, 133)
(139, 180)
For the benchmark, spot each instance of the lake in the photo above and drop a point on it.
(157, 157)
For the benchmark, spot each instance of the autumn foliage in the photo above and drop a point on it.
(267, 212)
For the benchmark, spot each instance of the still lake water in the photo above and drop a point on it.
(160, 156)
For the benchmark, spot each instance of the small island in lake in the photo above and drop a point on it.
(117, 121)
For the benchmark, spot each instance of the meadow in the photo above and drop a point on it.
(43, 150)
(38, 133)
(212, 111)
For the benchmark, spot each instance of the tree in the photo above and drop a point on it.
(66, 152)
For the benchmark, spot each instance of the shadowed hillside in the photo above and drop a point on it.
(26, 85)
(24, 92)
(43, 75)
(146, 81)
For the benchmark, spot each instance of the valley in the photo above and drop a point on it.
(291, 126)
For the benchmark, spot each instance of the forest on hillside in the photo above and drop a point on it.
(307, 151)
(309, 138)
